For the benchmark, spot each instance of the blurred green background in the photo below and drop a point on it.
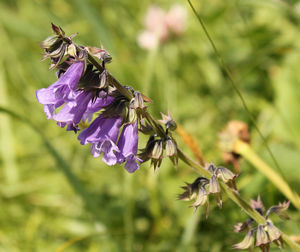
(56, 197)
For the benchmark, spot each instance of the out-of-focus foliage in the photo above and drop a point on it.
(83, 205)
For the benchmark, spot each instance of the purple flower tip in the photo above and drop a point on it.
(128, 147)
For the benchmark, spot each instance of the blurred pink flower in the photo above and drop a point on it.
(155, 22)
(147, 40)
(159, 24)
(176, 19)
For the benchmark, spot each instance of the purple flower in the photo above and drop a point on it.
(128, 147)
(62, 91)
(71, 113)
(103, 134)
(95, 106)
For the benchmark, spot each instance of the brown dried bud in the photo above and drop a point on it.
(57, 30)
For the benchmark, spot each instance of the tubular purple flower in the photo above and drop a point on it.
(63, 90)
(96, 105)
(103, 134)
(71, 114)
(128, 147)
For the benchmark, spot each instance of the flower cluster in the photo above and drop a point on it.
(160, 24)
(86, 92)
(265, 233)
(202, 187)
(157, 143)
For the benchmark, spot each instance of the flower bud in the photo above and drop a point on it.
(71, 50)
(247, 242)
(51, 43)
(171, 151)
(103, 80)
(262, 239)
(157, 150)
(57, 30)
(274, 233)
(280, 210)
(202, 199)
(227, 176)
(99, 53)
(257, 205)
(146, 128)
(168, 121)
(132, 116)
(192, 189)
(137, 101)
(214, 188)
(171, 148)
(242, 226)
(210, 167)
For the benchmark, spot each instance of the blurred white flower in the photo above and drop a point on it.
(176, 19)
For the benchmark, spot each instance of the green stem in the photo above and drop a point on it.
(248, 153)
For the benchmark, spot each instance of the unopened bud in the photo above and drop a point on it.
(202, 198)
(247, 242)
(145, 127)
(51, 42)
(257, 205)
(99, 53)
(171, 148)
(103, 80)
(168, 121)
(71, 50)
(157, 150)
(279, 210)
(242, 226)
(227, 176)
(274, 232)
(137, 101)
(192, 189)
(262, 239)
(132, 116)
(214, 188)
